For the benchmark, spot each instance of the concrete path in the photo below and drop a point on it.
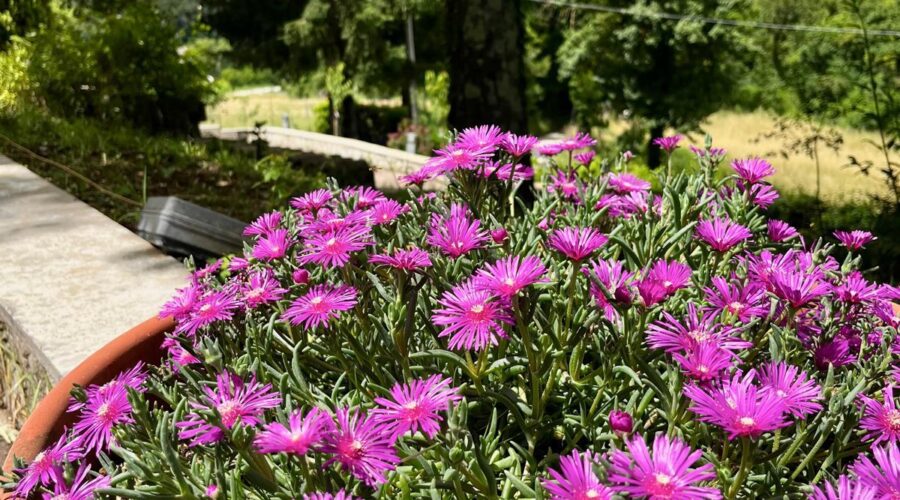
(72, 279)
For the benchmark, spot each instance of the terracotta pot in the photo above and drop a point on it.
(45, 425)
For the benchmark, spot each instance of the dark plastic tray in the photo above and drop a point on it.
(182, 228)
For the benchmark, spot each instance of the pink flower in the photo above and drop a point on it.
(752, 170)
(705, 362)
(300, 276)
(264, 225)
(835, 352)
(413, 259)
(455, 157)
(328, 221)
(212, 307)
(431, 169)
(854, 240)
(739, 407)
(312, 201)
(518, 145)
(780, 231)
(744, 302)
(362, 445)
(856, 290)
(178, 355)
(663, 473)
(261, 289)
(580, 140)
(673, 335)
(484, 137)
(384, 212)
(798, 288)
(302, 433)
(763, 195)
(333, 248)
(40, 470)
(457, 234)
(234, 401)
(722, 234)
(627, 183)
(881, 419)
(273, 245)
(566, 184)
(415, 405)
(797, 391)
(319, 305)
(102, 411)
(365, 196)
(576, 479)
(81, 487)
(672, 275)
(884, 474)
(847, 489)
(621, 422)
(652, 292)
(340, 495)
(576, 243)
(614, 278)
(508, 276)
(668, 144)
(585, 158)
(180, 306)
(473, 319)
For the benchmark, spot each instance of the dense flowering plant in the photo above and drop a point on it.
(607, 341)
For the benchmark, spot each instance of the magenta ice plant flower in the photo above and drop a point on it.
(672, 275)
(881, 418)
(666, 471)
(273, 245)
(518, 145)
(883, 474)
(361, 445)
(472, 318)
(669, 143)
(847, 489)
(101, 412)
(744, 302)
(799, 393)
(586, 157)
(214, 306)
(321, 304)
(313, 200)
(722, 234)
(301, 434)
(752, 170)
(456, 157)
(40, 470)
(798, 288)
(321, 495)
(457, 234)
(615, 279)
(705, 362)
(412, 259)
(415, 405)
(621, 422)
(780, 231)
(82, 487)
(385, 212)
(739, 407)
(264, 225)
(576, 243)
(333, 248)
(697, 327)
(508, 276)
(484, 137)
(575, 479)
(261, 288)
(854, 240)
(627, 183)
(566, 184)
(365, 196)
(234, 401)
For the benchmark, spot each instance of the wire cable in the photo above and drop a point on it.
(718, 21)
(71, 171)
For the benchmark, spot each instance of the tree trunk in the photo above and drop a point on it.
(654, 153)
(487, 71)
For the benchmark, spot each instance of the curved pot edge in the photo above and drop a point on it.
(46, 422)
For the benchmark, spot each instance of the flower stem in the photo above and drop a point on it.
(746, 463)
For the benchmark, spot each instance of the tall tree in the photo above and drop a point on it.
(19, 17)
(487, 73)
(670, 73)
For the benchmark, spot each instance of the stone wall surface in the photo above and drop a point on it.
(72, 279)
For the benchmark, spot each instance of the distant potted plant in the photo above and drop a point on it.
(608, 340)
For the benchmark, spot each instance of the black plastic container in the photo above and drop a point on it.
(184, 229)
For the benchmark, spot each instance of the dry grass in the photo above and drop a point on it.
(244, 111)
(738, 133)
(22, 385)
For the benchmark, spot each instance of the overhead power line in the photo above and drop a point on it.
(722, 22)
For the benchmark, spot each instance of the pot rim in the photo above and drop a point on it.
(48, 420)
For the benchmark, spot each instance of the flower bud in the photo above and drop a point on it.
(212, 491)
(627, 155)
(499, 235)
(620, 422)
(300, 276)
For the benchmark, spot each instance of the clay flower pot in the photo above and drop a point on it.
(44, 426)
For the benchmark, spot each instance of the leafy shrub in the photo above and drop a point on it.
(463, 345)
(248, 76)
(128, 69)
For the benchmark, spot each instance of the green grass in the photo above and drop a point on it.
(270, 108)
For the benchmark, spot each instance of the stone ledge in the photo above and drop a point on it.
(72, 279)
